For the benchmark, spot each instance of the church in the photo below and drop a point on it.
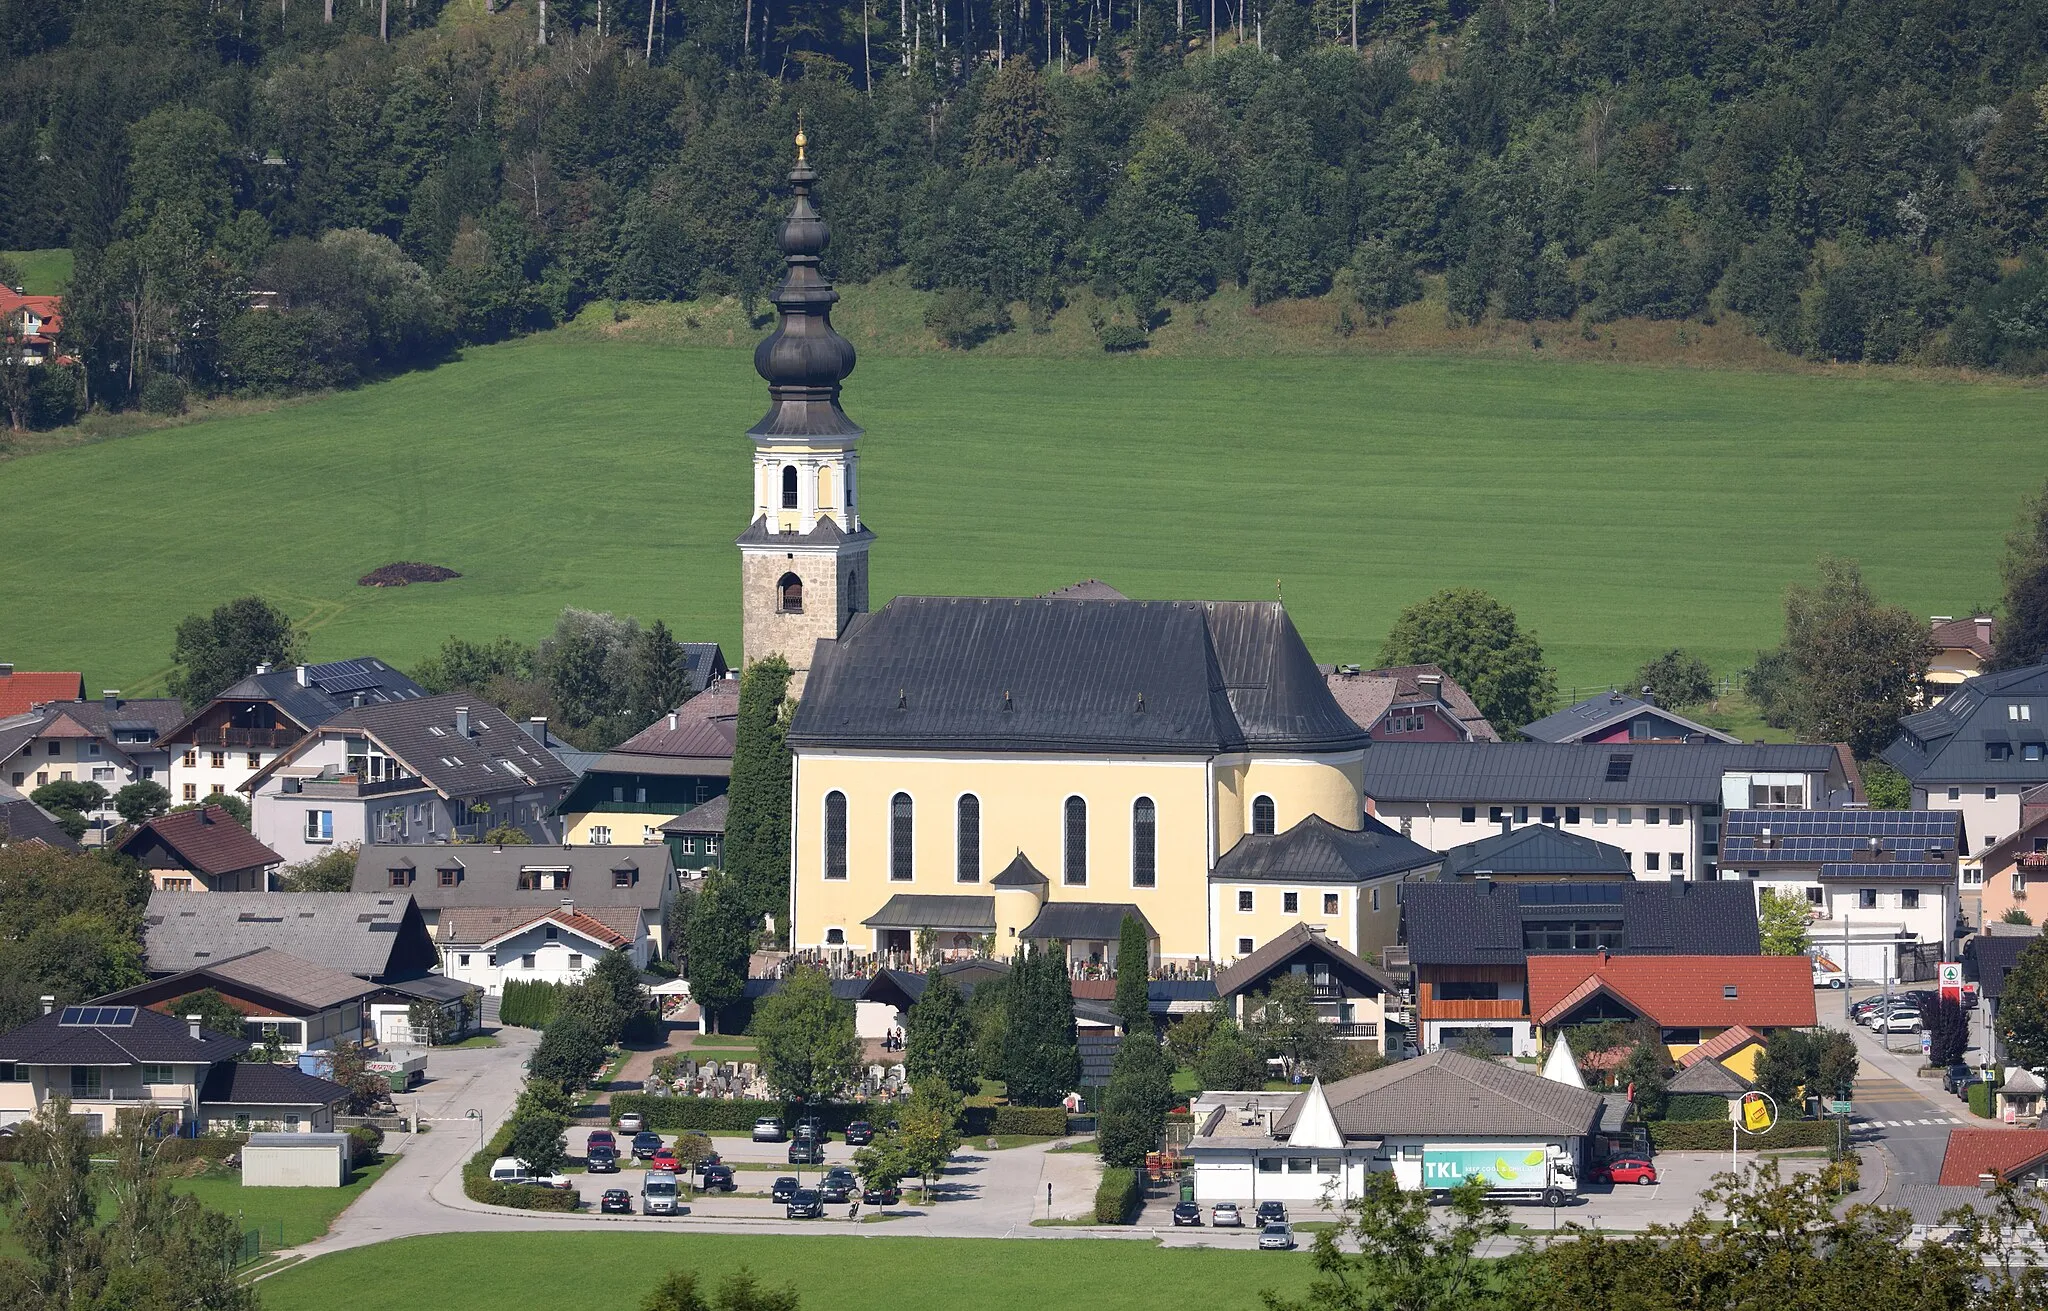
(986, 772)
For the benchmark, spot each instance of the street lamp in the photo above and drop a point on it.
(474, 1114)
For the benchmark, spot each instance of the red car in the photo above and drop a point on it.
(1629, 1170)
(604, 1137)
(665, 1159)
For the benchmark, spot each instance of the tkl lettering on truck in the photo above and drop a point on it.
(1496, 1167)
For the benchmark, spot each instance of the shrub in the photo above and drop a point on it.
(1118, 1197)
(1695, 1106)
(1041, 1120)
(365, 1141)
(1711, 1136)
(478, 1186)
(163, 394)
(530, 1005)
(1122, 337)
(1980, 1100)
(964, 318)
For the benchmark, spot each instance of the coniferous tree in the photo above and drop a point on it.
(1133, 970)
(939, 1037)
(720, 940)
(757, 820)
(1041, 1059)
(1133, 1116)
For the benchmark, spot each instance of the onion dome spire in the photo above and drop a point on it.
(804, 359)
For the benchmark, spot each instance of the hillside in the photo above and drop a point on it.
(1621, 509)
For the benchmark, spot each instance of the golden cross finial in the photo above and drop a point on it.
(801, 140)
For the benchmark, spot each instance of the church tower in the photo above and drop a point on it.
(804, 557)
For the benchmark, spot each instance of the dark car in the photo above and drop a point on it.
(601, 1158)
(811, 1126)
(889, 1196)
(804, 1204)
(715, 1178)
(1271, 1213)
(615, 1201)
(805, 1151)
(1186, 1213)
(859, 1134)
(784, 1188)
(646, 1143)
(839, 1185)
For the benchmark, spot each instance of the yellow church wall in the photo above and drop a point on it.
(1300, 787)
(1269, 917)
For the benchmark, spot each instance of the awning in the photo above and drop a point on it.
(911, 910)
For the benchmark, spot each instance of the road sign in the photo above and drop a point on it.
(1952, 981)
(1840, 1108)
(1759, 1112)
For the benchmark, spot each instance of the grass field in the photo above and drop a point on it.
(612, 1272)
(1620, 509)
(43, 272)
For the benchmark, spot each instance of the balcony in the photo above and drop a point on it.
(273, 738)
(346, 787)
(2033, 860)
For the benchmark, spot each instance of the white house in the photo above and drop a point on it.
(492, 946)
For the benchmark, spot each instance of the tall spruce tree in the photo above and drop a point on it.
(939, 1037)
(1134, 1106)
(1041, 1060)
(720, 940)
(1133, 968)
(757, 822)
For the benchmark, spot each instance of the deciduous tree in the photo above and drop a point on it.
(1132, 1117)
(143, 799)
(1392, 1242)
(1283, 1022)
(1677, 679)
(2023, 1011)
(809, 1049)
(1852, 667)
(1784, 923)
(214, 1011)
(1479, 642)
(333, 870)
(1948, 1031)
(569, 1053)
(210, 652)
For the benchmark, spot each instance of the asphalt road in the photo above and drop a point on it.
(1909, 1117)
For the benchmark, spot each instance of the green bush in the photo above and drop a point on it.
(1043, 1120)
(1695, 1106)
(964, 318)
(365, 1142)
(530, 1005)
(1708, 1136)
(1980, 1100)
(1122, 337)
(478, 1186)
(163, 394)
(1118, 1197)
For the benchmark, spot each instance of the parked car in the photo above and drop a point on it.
(601, 1138)
(615, 1201)
(805, 1151)
(645, 1144)
(1900, 1019)
(1276, 1238)
(1628, 1170)
(630, 1122)
(813, 1127)
(839, 1184)
(804, 1204)
(1225, 1215)
(665, 1159)
(1186, 1213)
(512, 1170)
(658, 1195)
(889, 1196)
(1270, 1213)
(859, 1134)
(601, 1159)
(768, 1129)
(784, 1188)
(714, 1177)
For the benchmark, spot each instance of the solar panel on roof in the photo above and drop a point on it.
(1618, 766)
(350, 682)
(97, 1016)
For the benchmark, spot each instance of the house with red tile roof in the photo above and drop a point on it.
(490, 946)
(36, 321)
(1978, 1156)
(1692, 999)
(22, 690)
(1409, 703)
(201, 850)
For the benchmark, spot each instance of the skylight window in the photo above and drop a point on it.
(1618, 766)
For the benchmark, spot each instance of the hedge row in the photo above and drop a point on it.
(478, 1186)
(530, 1004)
(1695, 1106)
(1048, 1121)
(1118, 1197)
(1980, 1100)
(719, 1115)
(1712, 1136)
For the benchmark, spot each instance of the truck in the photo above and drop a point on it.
(1513, 1172)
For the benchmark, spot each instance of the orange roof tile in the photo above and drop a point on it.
(1974, 1153)
(1725, 1043)
(23, 689)
(1684, 991)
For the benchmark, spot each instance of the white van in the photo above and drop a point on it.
(658, 1193)
(512, 1170)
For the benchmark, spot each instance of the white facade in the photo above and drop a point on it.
(542, 952)
(1872, 909)
(195, 773)
(1662, 847)
(1990, 811)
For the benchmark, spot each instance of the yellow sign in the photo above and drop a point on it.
(1756, 1113)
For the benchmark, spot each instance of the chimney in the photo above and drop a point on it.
(262, 666)
(462, 721)
(1431, 685)
(1614, 696)
(192, 1025)
(111, 698)
(355, 701)
(537, 728)
(49, 1003)
(671, 721)
(302, 675)
(1939, 620)
(205, 815)
(568, 905)
(6, 669)
(1984, 629)
(1649, 698)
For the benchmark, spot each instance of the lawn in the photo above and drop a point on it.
(1621, 509)
(43, 272)
(473, 1272)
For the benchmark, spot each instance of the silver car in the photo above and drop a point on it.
(1276, 1238)
(1225, 1215)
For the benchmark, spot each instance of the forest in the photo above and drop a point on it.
(287, 194)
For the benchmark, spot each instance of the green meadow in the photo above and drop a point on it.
(613, 1271)
(1620, 509)
(43, 272)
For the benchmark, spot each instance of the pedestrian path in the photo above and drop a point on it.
(1900, 1124)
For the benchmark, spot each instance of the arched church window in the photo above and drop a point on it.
(835, 835)
(1144, 843)
(1076, 864)
(789, 594)
(1263, 817)
(825, 486)
(967, 839)
(901, 868)
(789, 487)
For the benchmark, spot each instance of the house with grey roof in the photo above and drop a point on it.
(1614, 717)
(112, 742)
(629, 889)
(23, 822)
(1341, 882)
(418, 771)
(1352, 995)
(378, 936)
(1659, 802)
(679, 763)
(1977, 752)
(1988, 958)
(1540, 853)
(301, 1005)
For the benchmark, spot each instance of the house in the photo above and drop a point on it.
(2014, 865)
(1962, 648)
(1341, 882)
(113, 742)
(200, 850)
(1469, 944)
(107, 1059)
(1978, 1157)
(1880, 885)
(36, 321)
(488, 947)
(1702, 1072)
(1691, 998)
(22, 822)
(638, 882)
(391, 1013)
(1988, 958)
(2020, 1097)
(229, 738)
(304, 1005)
(22, 690)
(1661, 803)
(681, 761)
(695, 837)
(1426, 1121)
(1408, 703)
(1536, 853)
(1352, 996)
(418, 771)
(380, 937)
(705, 662)
(1618, 718)
(1976, 752)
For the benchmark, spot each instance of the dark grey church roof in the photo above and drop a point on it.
(1043, 674)
(1535, 849)
(914, 910)
(1496, 772)
(826, 532)
(1317, 851)
(1084, 921)
(1480, 923)
(1954, 742)
(1019, 873)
